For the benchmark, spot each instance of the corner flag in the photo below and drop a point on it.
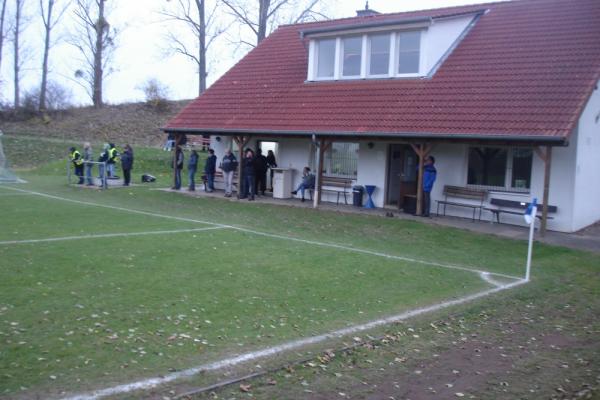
(530, 214)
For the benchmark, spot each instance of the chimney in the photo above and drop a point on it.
(366, 12)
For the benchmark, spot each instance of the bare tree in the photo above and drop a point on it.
(271, 13)
(2, 29)
(17, 30)
(203, 28)
(95, 40)
(49, 24)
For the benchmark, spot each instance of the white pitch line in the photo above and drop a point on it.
(374, 253)
(283, 237)
(107, 235)
(15, 194)
(292, 345)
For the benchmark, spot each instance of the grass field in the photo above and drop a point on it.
(99, 288)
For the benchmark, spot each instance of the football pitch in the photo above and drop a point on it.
(99, 290)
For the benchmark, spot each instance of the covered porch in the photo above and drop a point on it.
(394, 164)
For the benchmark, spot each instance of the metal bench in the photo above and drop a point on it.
(453, 194)
(339, 186)
(512, 207)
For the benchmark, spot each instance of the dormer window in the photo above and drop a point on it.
(370, 55)
(352, 56)
(325, 59)
(379, 54)
(409, 52)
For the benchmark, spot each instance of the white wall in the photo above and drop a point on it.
(586, 208)
(452, 167)
(372, 169)
(440, 36)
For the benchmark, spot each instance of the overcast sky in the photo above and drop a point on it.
(142, 50)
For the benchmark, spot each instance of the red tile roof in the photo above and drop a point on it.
(526, 69)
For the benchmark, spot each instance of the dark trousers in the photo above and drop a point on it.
(79, 173)
(191, 177)
(126, 177)
(248, 187)
(260, 183)
(177, 179)
(426, 203)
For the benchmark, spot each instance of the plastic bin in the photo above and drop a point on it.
(357, 195)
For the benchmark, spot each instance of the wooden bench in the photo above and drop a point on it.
(220, 179)
(453, 194)
(512, 207)
(339, 186)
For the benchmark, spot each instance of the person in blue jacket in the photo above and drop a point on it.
(429, 175)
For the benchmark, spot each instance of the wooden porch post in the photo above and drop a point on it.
(241, 141)
(323, 146)
(422, 151)
(547, 158)
(547, 166)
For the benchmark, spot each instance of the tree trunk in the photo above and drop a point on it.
(201, 48)
(263, 16)
(17, 67)
(2, 14)
(98, 73)
(48, 28)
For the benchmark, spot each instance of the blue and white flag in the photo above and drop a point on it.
(531, 212)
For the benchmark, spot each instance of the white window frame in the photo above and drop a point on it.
(397, 60)
(362, 57)
(508, 170)
(313, 54)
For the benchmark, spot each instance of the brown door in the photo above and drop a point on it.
(402, 174)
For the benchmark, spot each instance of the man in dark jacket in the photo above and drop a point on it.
(248, 174)
(127, 164)
(209, 169)
(429, 175)
(178, 163)
(228, 165)
(260, 171)
(192, 167)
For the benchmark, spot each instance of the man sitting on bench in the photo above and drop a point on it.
(308, 182)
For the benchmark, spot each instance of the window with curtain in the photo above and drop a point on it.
(340, 160)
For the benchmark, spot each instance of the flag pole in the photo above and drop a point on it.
(530, 215)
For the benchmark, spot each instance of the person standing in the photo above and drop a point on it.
(429, 176)
(102, 168)
(77, 161)
(113, 154)
(178, 164)
(260, 172)
(87, 159)
(209, 169)
(228, 165)
(127, 164)
(271, 163)
(248, 175)
(192, 167)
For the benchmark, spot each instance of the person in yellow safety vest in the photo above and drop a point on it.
(77, 161)
(113, 156)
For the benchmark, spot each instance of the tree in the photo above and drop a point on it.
(2, 29)
(271, 13)
(49, 24)
(95, 40)
(17, 30)
(203, 28)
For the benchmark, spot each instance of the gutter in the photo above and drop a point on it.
(354, 26)
(555, 140)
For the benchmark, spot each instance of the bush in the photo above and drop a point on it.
(156, 94)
